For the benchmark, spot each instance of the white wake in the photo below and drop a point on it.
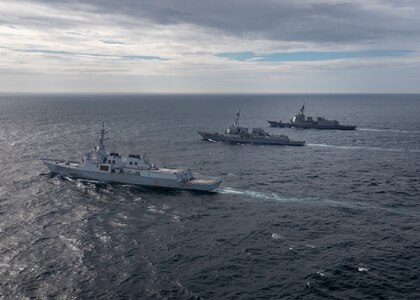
(254, 194)
(389, 130)
(365, 148)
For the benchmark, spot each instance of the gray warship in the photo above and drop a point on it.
(98, 164)
(301, 121)
(236, 134)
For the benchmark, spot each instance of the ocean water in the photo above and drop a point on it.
(336, 219)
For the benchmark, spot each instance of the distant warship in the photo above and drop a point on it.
(133, 169)
(300, 121)
(236, 134)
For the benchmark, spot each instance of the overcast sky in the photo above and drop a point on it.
(217, 46)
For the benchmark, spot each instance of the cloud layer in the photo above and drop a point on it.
(209, 46)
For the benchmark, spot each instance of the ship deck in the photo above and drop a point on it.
(61, 162)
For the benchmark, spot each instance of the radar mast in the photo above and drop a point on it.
(236, 119)
(101, 148)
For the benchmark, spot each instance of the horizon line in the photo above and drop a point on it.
(208, 93)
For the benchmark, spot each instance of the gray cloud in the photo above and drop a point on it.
(68, 53)
(191, 45)
(307, 21)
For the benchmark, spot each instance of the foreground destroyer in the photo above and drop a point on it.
(236, 134)
(300, 121)
(133, 169)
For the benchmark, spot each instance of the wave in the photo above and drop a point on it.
(366, 148)
(389, 130)
(67, 178)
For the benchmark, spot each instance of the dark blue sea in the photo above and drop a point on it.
(336, 219)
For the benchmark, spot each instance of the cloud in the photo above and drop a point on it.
(68, 53)
(207, 45)
(113, 42)
(328, 21)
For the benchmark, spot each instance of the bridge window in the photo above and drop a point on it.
(104, 168)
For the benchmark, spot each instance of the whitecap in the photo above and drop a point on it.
(80, 185)
(104, 238)
(362, 269)
(276, 236)
(68, 178)
(154, 210)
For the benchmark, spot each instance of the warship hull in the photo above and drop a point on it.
(311, 126)
(279, 124)
(149, 178)
(251, 140)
